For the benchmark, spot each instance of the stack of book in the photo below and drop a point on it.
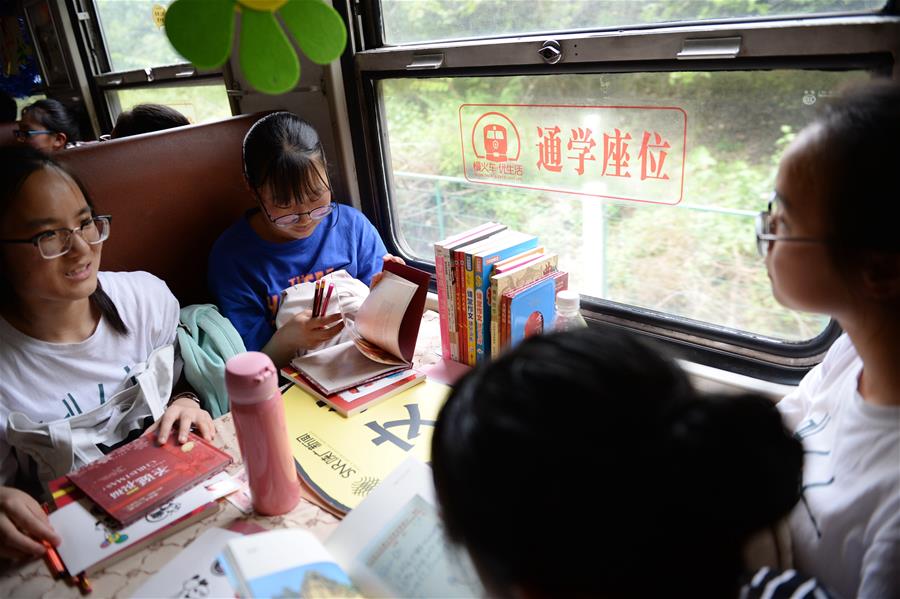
(135, 495)
(495, 287)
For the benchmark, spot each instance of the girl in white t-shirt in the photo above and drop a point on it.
(832, 246)
(71, 340)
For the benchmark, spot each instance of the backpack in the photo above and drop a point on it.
(206, 340)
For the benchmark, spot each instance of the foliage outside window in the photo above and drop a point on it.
(134, 39)
(199, 103)
(414, 21)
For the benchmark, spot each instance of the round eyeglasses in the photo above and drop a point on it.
(55, 243)
(767, 229)
(287, 220)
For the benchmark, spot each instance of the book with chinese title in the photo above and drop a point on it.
(530, 309)
(356, 399)
(92, 541)
(137, 478)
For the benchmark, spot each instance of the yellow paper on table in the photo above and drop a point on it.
(342, 459)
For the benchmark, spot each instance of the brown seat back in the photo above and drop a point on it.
(7, 137)
(171, 193)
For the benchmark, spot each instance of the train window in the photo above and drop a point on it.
(133, 62)
(641, 155)
(199, 103)
(690, 253)
(135, 38)
(406, 22)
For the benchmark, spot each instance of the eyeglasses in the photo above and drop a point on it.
(53, 244)
(23, 134)
(767, 229)
(287, 220)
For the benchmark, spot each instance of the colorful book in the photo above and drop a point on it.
(383, 335)
(91, 541)
(391, 545)
(356, 399)
(444, 275)
(516, 274)
(504, 245)
(136, 479)
(530, 309)
(465, 298)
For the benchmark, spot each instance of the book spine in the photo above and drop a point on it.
(459, 284)
(443, 313)
(480, 307)
(504, 323)
(470, 310)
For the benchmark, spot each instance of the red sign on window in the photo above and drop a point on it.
(620, 152)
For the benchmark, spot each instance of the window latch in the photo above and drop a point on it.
(551, 52)
(710, 47)
(425, 61)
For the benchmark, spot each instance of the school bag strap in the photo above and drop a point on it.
(206, 340)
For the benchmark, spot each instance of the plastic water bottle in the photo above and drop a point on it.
(568, 312)
(258, 412)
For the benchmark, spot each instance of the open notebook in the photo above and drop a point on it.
(383, 332)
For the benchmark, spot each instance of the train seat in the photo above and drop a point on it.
(170, 193)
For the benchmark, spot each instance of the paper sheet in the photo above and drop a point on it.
(379, 318)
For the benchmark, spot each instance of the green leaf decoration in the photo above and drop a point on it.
(317, 27)
(201, 30)
(267, 57)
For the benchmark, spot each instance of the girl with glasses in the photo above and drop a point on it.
(85, 354)
(295, 233)
(832, 246)
(47, 126)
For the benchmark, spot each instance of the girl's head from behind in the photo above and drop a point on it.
(51, 240)
(837, 188)
(285, 168)
(47, 125)
(594, 441)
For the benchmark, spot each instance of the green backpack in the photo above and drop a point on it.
(206, 340)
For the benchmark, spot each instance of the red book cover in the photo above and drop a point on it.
(133, 480)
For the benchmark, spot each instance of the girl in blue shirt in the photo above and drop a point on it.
(296, 233)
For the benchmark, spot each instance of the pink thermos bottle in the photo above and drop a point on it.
(256, 404)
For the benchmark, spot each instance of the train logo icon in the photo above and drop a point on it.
(495, 138)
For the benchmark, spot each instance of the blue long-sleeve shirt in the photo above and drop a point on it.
(246, 273)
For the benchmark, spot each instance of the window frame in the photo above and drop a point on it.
(869, 41)
(103, 79)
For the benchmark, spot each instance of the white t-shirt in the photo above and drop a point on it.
(51, 381)
(846, 529)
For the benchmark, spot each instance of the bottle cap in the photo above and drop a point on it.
(250, 378)
(568, 300)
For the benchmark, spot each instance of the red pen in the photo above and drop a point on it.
(324, 309)
(54, 562)
(317, 298)
(84, 585)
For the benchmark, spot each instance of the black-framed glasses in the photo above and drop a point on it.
(767, 230)
(55, 243)
(23, 134)
(287, 220)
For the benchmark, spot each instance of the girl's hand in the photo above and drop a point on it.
(378, 275)
(184, 412)
(301, 332)
(22, 521)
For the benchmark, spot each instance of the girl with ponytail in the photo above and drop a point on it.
(583, 464)
(86, 357)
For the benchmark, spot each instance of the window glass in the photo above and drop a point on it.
(134, 35)
(412, 21)
(27, 101)
(693, 256)
(199, 103)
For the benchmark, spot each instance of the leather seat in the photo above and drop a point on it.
(171, 193)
